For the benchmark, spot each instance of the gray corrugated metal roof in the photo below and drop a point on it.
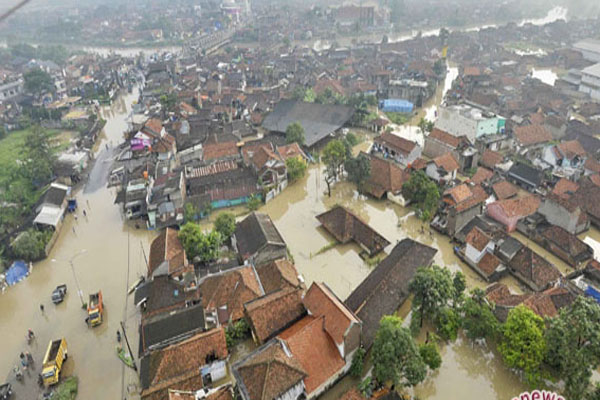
(318, 120)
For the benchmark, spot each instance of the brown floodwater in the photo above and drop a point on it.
(108, 243)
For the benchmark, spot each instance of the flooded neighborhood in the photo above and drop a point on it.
(260, 199)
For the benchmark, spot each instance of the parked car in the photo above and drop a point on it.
(58, 294)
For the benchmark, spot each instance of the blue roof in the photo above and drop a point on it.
(17, 271)
(396, 102)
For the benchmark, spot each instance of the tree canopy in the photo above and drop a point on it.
(573, 342)
(334, 155)
(478, 319)
(396, 357)
(38, 81)
(196, 243)
(433, 289)
(422, 191)
(38, 159)
(358, 169)
(294, 133)
(296, 169)
(523, 346)
(225, 224)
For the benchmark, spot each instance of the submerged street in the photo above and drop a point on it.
(109, 257)
(108, 243)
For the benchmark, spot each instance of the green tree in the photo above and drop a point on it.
(334, 155)
(309, 96)
(254, 202)
(294, 133)
(168, 101)
(30, 245)
(430, 355)
(424, 192)
(460, 284)
(447, 322)
(358, 169)
(523, 345)
(478, 319)
(299, 93)
(396, 357)
(296, 169)
(204, 246)
(433, 289)
(190, 212)
(38, 81)
(358, 363)
(225, 225)
(573, 343)
(37, 156)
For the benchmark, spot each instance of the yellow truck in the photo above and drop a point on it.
(53, 361)
(95, 309)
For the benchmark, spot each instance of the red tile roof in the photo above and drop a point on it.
(477, 238)
(231, 289)
(278, 274)
(445, 137)
(270, 314)
(291, 151)
(565, 188)
(447, 162)
(521, 207)
(504, 190)
(270, 372)
(320, 301)
(491, 158)
(213, 151)
(386, 176)
(167, 247)
(482, 175)
(488, 263)
(310, 344)
(571, 149)
(458, 193)
(396, 142)
(532, 134)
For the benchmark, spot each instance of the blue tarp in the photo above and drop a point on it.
(590, 291)
(17, 271)
(396, 105)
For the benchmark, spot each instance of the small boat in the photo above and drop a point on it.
(125, 357)
(136, 284)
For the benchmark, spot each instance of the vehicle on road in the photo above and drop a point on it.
(95, 309)
(58, 294)
(5, 391)
(53, 361)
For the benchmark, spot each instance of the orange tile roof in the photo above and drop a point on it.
(315, 350)
(155, 125)
(478, 196)
(459, 193)
(292, 150)
(385, 176)
(592, 165)
(319, 300)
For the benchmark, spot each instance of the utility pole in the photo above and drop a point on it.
(70, 261)
(129, 347)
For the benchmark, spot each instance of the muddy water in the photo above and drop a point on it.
(104, 266)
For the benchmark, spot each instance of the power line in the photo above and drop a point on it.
(13, 10)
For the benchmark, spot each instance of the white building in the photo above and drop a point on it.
(590, 81)
(469, 121)
(11, 89)
(589, 48)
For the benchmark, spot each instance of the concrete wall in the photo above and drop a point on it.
(434, 148)
(560, 216)
(497, 213)
(352, 340)
(456, 124)
(457, 221)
